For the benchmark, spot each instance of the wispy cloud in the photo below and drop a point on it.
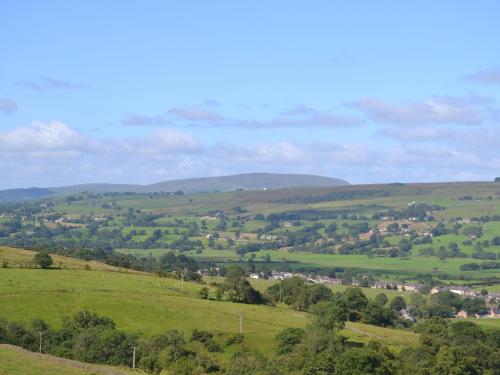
(211, 102)
(300, 116)
(144, 120)
(50, 83)
(7, 106)
(489, 75)
(300, 110)
(433, 110)
(197, 114)
(315, 120)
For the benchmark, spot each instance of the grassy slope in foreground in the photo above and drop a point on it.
(15, 361)
(152, 305)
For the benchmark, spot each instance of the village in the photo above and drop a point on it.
(491, 298)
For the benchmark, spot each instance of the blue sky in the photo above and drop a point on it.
(140, 92)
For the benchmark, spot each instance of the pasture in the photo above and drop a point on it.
(150, 305)
(16, 361)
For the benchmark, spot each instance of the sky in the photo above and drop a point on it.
(147, 91)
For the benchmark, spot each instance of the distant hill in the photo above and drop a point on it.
(17, 195)
(249, 181)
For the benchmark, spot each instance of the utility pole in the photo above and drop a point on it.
(182, 282)
(241, 323)
(40, 345)
(133, 357)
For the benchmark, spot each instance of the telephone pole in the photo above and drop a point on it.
(40, 345)
(133, 357)
(241, 323)
(182, 282)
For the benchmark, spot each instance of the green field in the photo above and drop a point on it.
(195, 217)
(389, 268)
(14, 361)
(150, 305)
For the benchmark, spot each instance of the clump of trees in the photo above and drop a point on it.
(445, 348)
(351, 304)
(236, 288)
(43, 260)
(298, 293)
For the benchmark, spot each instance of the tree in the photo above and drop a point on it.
(434, 332)
(239, 289)
(203, 293)
(362, 361)
(381, 299)
(288, 338)
(398, 303)
(378, 315)
(451, 361)
(355, 301)
(43, 260)
(443, 302)
(330, 315)
(246, 362)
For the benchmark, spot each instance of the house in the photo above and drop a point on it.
(379, 285)
(409, 287)
(438, 289)
(462, 314)
(254, 276)
(269, 237)
(328, 280)
(406, 315)
(494, 312)
(415, 288)
(281, 275)
(494, 295)
(457, 289)
(463, 291)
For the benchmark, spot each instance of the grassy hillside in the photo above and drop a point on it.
(15, 361)
(151, 305)
(249, 181)
(21, 258)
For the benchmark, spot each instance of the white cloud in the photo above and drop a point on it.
(42, 137)
(50, 154)
(434, 110)
(55, 136)
(164, 142)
